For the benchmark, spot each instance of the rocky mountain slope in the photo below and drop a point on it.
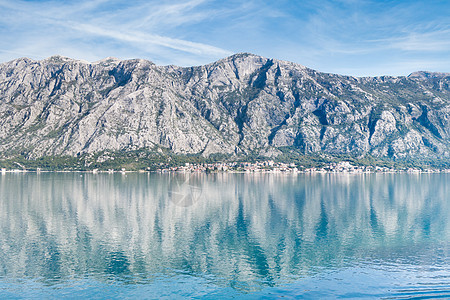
(239, 105)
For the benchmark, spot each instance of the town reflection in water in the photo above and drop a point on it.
(244, 231)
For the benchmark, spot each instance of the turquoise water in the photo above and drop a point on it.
(114, 236)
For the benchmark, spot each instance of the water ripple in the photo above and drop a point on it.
(237, 236)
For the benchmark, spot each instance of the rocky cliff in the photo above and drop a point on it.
(239, 105)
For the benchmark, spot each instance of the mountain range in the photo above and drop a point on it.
(241, 105)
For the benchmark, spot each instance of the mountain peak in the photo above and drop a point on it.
(21, 59)
(244, 56)
(107, 61)
(59, 59)
(427, 75)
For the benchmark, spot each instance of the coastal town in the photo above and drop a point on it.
(268, 166)
(279, 167)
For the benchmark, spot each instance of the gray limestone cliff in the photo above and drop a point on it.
(239, 105)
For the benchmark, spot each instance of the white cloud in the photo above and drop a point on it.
(433, 41)
(145, 39)
(329, 35)
(63, 26)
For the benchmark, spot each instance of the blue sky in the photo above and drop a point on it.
(361, 38)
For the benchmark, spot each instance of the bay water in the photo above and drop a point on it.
(244, 236)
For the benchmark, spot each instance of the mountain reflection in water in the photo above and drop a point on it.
(245, 232)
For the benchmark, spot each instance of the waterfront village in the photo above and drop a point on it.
(279, 167)
(262, 167)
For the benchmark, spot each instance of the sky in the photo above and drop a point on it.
(359, 38)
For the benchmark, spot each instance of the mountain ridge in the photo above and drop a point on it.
(240, 105)
(115, 59)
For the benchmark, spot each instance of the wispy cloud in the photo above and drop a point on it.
(360, 36)
(434, 41)
(172, 14)
(130, 26)
(341, 36)
(146, 39)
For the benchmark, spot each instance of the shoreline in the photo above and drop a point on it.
(414, 171)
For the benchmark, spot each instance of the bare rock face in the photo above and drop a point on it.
(239, 105)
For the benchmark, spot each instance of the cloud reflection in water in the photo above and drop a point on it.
(242, 231)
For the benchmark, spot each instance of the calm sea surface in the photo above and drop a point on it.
(115, 236)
